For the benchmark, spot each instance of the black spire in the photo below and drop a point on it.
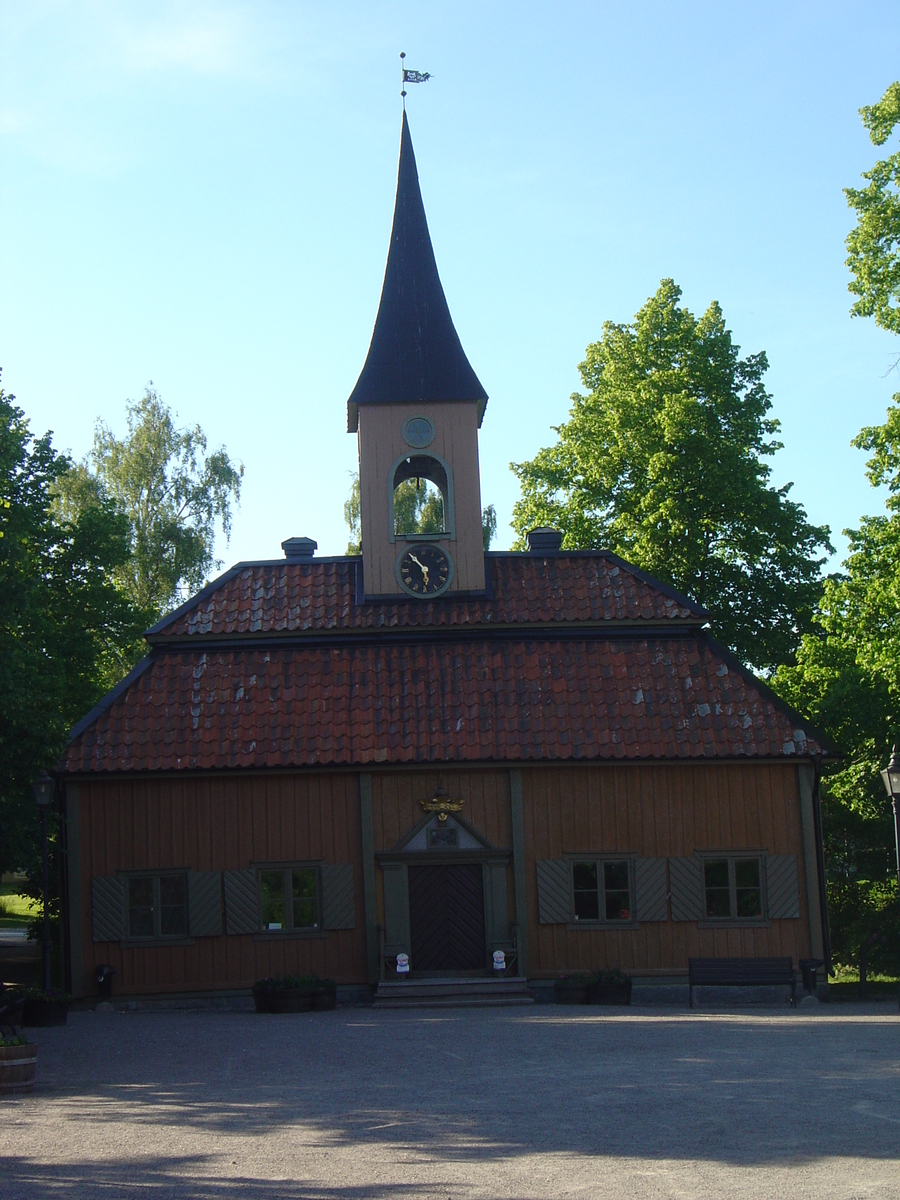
(415, 355)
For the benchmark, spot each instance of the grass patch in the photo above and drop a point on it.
(16, 910)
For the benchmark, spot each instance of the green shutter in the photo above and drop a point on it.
(496, 904)
(338, 902)
(205, 903)
(686, 889)
(782, 890)
(108, 904)
(554, 888)
(241, 902)
(650, 891)
(396, 908)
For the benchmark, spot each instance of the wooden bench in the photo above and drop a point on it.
(741, 972)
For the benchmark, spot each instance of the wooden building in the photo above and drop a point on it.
(431, 750)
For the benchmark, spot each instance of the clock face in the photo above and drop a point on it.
(418, 432)
(424, 570)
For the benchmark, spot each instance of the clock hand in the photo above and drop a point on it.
(423, 569)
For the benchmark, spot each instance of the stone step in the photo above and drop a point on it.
(449, 991)
(451, 1001)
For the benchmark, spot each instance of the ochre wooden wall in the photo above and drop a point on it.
(396, 803)
(380, 445)
(220, 823)
(660, 811)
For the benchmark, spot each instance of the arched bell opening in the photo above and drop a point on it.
(421, 498)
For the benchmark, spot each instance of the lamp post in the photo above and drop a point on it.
(891, 778)
(43, 793)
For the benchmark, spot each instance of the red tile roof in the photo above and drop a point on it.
(321, 596)
(469, 700)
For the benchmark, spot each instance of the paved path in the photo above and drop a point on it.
(543, 1102)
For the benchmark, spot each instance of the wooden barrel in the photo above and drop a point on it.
(17, 1065)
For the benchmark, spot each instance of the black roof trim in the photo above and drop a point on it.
(734, 663)
(405, 635)
(111, 696)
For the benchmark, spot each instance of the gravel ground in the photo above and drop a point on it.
(539, 1102)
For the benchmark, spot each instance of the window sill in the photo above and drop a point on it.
(605, 925)
(287, 935)
(136, 943)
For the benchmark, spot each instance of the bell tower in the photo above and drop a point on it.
(416, 410)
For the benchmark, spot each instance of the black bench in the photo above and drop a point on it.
(741, 972)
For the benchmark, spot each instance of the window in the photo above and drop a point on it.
(421, 498)
(733, 889)
(289, 898)
(157, 906)
(602, 889)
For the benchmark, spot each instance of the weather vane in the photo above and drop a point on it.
(409, 76)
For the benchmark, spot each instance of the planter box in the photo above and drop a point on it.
(284, 1000)
(610, 993)
(17, 1065)
(570, 993)
(324, 999)
(44, 1012)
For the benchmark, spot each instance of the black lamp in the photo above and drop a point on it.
(43, 793)
(890, 776)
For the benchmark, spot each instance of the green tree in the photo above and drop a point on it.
(874, 243)
(173, 494)
(63, 620)
(847, 678)
(661, 461)
(417, 509)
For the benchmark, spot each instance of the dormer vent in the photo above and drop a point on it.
(299, 549)
(544, 540)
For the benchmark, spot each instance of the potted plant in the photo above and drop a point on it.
(48, 1006)
(609, 987)
(18, 1057)
(324, 996)
(284, 993)
(571, 989)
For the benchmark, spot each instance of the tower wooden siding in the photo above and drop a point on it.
(381, 444)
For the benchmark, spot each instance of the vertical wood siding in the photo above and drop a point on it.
(660, 811)
(380, 445)
(221, 823)
(396, 808)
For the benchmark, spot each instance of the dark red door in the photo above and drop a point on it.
(446, 918)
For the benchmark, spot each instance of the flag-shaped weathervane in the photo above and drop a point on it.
(410, 76)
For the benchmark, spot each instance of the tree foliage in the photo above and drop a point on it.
(874, 243)
(417, 509)
(661, 461)
(173, 494)
(63, 620)
(847, 678)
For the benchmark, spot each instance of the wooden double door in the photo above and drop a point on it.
(446, 917)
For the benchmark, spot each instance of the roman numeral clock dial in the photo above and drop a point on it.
(424, 570)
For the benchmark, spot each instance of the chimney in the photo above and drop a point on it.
(299, 549)
(544, 540)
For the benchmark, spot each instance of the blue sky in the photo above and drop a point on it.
(201, 194)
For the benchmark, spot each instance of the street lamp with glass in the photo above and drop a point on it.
(43, 793)
(891, 778)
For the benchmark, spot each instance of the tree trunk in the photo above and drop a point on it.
(863, 971)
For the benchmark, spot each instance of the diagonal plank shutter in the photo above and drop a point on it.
(108, 904)
(338, 904)
(554, 888)
(650, 892)
(205, 903)
(241, 902)
(686, 889)
(782, 890)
